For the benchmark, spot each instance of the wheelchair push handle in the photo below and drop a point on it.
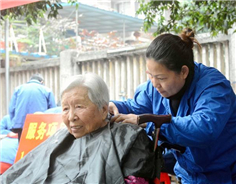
(158, 120)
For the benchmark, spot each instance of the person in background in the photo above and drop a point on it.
(90, 149)
(5, 124)
(54, 110)
(201, 104)
(9, 144)
(28, 99)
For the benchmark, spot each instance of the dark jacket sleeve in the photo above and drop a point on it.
(139, 161)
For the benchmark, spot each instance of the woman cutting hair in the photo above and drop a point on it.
(202, 106)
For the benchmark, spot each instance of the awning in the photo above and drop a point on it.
(5, 4)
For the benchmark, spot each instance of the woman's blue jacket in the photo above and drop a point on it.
(29, 98)
(205, 124)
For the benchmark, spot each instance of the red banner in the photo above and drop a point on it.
(37, 128)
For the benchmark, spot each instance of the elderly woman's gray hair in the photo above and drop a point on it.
(97, 88)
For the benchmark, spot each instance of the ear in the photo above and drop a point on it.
(184, 71)
(104, 112)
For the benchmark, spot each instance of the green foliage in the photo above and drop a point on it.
(202, 16)
(34, 15)
(74, 2)
(33, 11)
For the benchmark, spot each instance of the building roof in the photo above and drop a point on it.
(103, 21)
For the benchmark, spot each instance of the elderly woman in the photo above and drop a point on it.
(90, 149)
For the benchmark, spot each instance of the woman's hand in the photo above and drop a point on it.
(125, 118)
(113, 109)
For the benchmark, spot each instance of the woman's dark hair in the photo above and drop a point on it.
(174, 51)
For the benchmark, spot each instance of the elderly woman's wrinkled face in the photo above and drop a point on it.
(79, 114)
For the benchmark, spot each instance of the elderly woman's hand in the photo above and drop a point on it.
(113, 109)
(125, 118)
